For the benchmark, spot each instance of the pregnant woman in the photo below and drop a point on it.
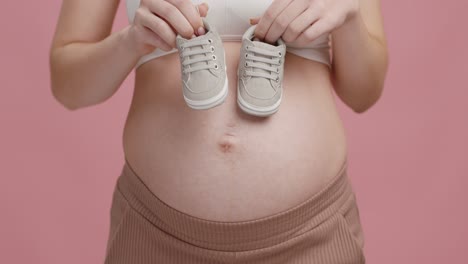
(220, 185)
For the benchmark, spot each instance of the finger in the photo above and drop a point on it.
(281, 23)
(300, 24)
(173, 16)
(269, 16)
(189, 11)
(158, 26)
(148, 34)
(317, 29)
(254, 21)
(203, 9)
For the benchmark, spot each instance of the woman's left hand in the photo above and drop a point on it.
(302, 21)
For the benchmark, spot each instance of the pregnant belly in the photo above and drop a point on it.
(221, 164)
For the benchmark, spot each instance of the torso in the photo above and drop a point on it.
(221, 164)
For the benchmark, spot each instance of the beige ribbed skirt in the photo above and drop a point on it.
(324, 229)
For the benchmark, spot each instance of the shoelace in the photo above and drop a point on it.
(188, 61)
(275, 60)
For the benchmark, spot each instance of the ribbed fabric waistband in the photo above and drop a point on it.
(239, 235)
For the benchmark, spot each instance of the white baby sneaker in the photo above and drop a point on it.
(203, 67)
(260, 75)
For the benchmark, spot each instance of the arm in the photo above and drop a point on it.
(360, 57)
(87, 65)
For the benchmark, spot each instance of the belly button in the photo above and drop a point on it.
(227, 143)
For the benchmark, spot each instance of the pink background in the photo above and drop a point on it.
(408, 154)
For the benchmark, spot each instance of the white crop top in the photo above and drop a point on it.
(231, 19)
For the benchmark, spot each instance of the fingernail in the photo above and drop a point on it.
(251, 21)
(201, 31)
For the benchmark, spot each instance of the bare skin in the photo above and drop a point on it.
(219, 164)
(223, 164)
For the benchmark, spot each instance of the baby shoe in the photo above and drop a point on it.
(203, 67)
(260, 75)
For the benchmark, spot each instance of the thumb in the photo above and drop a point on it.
(203, 9)
(254, 21)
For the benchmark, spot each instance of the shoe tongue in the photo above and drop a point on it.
(204, 73)
(266, 46)
(263, 45)
(202, 55)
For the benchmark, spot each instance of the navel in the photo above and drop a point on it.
(228, 143)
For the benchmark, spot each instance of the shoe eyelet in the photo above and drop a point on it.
(246, 65)
(210, 40)
(214, 57)
(212, 49)
(247, 47)
(277, 79)
(279, 54)
(277, 70)
(216, 66)
(246, 55)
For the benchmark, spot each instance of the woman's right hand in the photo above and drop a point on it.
(157, 23)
